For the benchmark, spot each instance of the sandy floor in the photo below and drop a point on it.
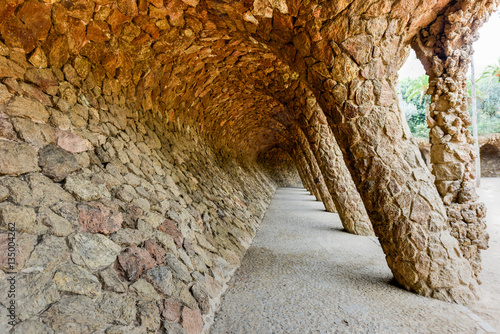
(304, 274)
(488, 308)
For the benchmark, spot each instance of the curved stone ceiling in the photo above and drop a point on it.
(215, 66)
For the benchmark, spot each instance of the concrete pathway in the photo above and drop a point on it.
(488, 308)
(304, 274)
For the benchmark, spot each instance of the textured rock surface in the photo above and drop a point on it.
(446, 58)
(95, 217)
(315, 171)
(56, 163)
(490, 155)
(93, 251)
(130, 131)
(17, 158)
(489, 151)
(74, 279)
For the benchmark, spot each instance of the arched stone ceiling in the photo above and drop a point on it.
(220, 67)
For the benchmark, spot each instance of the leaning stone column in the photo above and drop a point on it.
(304, 172)
(305, 177)
(305, 181)
(445, 48)
(359, 98)
(317, 176)
(336, 175)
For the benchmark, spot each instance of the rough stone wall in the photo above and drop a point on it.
(489, 151)
(280, 167)
(122, 224)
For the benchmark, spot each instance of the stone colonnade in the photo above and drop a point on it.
(316, 177)
(359, 99)
(354, 85)
(318, 147)
(337, 178)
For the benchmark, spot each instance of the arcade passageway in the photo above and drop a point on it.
(304, 273)
(141, 142)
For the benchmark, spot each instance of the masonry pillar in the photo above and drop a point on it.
(317, 176)
(303, 178)
(336, 175)
(446, 58)
(304, 172)
(358, 96)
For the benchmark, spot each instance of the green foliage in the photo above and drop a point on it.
(413, 91)
(421, 130)
(488, 102)
(418, 87)
(414, 102)
(418, 125)
(491, 73)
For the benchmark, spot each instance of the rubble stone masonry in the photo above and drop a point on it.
(142, 140)
(121, 225)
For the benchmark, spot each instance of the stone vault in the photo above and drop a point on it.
(141, 141)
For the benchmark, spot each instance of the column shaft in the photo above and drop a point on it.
(359, 99)
(307, 178)
(303, 177)
(337, 177)
(316, 174)
(452, 145)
